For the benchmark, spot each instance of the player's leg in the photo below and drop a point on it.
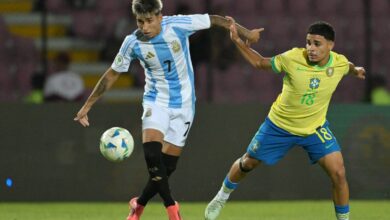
(170, 159)
(175, 138)
(269, 145)
(323, 148)
(333, 164)
(155, 123)
(158, 179)
(171, 154)
(237, 172)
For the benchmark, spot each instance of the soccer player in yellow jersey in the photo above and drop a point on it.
(298, 116)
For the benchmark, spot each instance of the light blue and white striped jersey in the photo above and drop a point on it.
(169, 74)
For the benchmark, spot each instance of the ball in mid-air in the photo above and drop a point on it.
(116, 144)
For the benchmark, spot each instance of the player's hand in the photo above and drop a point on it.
(82, 116)
(360, 72)
(254, 36)
(233, 30)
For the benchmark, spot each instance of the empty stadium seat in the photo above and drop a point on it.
(352, 8)
(57, 6)
(87, 24)
(244, 8)
(300, 7)
(272, 8)
(380, 8)
(329, 7)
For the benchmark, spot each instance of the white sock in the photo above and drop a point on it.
(344, 216)
(224, 193)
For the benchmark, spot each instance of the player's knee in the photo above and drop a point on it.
(247, 163)
(152, 152)
(245, 166)
(339, 175)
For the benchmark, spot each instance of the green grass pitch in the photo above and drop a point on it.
(254, 210)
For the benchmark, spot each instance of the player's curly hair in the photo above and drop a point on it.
(140, 7)
(322, 28)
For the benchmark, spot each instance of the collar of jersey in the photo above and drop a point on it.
(326, 65)
(158, 35)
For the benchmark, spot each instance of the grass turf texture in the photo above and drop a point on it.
(264, 210)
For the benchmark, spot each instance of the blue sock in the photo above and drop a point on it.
(227, 188)
(342, 212)
(229, 185)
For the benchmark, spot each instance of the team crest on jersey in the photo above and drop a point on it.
(329, 71)
(314, 83)
(175, 46)
(118, 60)
(147, 113)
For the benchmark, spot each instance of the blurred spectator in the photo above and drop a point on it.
(36, 94)
(6, 47)
(122, 28)
(63, 84)
(18, 60)
(222, 52)
(379, 95)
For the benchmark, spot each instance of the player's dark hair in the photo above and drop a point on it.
(141, 7)
(322, 28)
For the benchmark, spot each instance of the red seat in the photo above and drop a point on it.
(300, 7)
(169, 8)
(272, 8)
(87, 24)
(244, 7)
(329, 7)
(352, 8)
(380, 8)
(57, 6)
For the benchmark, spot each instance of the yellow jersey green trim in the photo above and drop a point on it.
(330, 61)
(274, 66)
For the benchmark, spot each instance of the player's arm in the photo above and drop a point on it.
(357, 71)
(251, 35)
(105, 82)
(253, 57)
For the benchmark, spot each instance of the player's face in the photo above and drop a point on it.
(318, 49)
(149, 24)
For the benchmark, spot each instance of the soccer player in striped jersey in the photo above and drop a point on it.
(298, 116)
(161, 45)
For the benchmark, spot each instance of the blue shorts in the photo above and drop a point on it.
(271, 143)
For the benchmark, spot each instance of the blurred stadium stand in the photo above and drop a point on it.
(92, 32)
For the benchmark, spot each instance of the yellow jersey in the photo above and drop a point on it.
(307, 89)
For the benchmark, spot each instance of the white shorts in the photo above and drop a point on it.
(174, 123)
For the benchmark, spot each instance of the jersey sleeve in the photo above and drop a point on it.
(344, 63)
(280, 62)
(189, 23)
(125, 55)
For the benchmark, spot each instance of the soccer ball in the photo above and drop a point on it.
(116, 144)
